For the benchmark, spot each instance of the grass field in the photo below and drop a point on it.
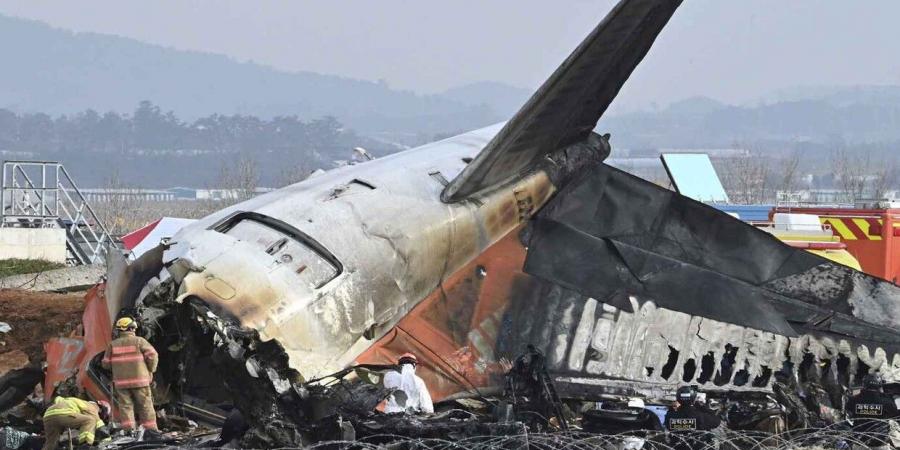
(10, 267)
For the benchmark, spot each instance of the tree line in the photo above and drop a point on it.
(760, 177)
(149, 129)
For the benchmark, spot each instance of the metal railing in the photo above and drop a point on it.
(42, 194)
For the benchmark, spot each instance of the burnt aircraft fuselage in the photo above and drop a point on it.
(327, 266)
(467, 250)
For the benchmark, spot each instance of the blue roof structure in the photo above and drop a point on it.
(747, 213)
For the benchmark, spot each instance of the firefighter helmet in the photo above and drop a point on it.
(408, 358)
(125, 324)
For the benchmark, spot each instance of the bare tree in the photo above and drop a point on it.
(108, 210)
(790, 171)
(884, 179)
(850, 172)
(746, 178)
(239, 179)
(121, 206)
(295, 174)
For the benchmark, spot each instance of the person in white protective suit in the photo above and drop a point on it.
(411, 394)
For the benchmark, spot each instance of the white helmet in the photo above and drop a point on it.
(635, 402)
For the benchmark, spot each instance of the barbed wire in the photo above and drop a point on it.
(838, 437)
(835, 437)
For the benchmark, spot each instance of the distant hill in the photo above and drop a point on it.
(862, 115)
(884, 95)
(695, 106)
(55, 71)
(501, 98)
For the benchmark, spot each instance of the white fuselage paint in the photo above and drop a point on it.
(396, 242)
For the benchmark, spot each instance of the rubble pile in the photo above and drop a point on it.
(33, 318)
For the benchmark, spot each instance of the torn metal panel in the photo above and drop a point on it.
(63, 358)
(70, 356)
(866, 297)
(455, 331)
(126, 280)
(604, 268)
(609, 233)
(729, 304)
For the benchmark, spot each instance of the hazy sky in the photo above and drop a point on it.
(733, 50)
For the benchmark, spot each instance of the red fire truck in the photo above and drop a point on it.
(872, 236)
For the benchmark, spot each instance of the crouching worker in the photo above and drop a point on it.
(133, 361)
(411, 394)
(73, 413)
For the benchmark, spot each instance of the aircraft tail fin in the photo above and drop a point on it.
(568, 105)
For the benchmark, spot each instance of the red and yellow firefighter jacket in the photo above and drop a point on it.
(132, 360)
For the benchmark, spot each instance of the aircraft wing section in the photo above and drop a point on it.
(612, 236)
(569, 104)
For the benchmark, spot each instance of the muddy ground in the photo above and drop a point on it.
(34, 318)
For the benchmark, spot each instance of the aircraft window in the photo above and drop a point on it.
(288, 246)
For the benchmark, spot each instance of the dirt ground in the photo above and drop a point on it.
(34, 318)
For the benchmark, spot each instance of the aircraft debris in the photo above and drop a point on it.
(279, 316)
(520, 236)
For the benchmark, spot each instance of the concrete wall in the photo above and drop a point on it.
(33, 243)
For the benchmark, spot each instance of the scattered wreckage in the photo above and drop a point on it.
(483, 254)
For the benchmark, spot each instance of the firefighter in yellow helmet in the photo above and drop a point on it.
(73, 413)
(133, 361)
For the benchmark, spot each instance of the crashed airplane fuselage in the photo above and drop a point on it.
(466, 250)
(329, 265)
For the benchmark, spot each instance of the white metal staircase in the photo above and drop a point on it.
(41, 194)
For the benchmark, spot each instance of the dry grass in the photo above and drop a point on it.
(125, 216)
(9, 267)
